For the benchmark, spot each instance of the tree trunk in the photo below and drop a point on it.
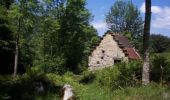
(16, 55)
(162, 73)
(17, 48)
(146, 36)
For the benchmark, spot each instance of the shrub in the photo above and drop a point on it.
(87, 77)
(54, 65)
(70, 78)
(160, 70)
(119, 76)
(130, 73)
(108, 77)
(29, 86)
(67, 78)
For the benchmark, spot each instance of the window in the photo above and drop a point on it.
(103, 51)
(103, 54)
(98, 62)
(117, 61)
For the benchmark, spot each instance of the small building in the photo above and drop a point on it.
(112, 48)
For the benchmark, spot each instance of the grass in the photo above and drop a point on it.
(93, 91)
(84, 91)
(150, 92)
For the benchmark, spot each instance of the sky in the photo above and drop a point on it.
(160, 23)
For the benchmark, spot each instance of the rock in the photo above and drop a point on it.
(39, 87)
(67, 92)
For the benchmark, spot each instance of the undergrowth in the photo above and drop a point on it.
(120, 82)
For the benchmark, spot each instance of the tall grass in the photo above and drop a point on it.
(150, 92)
(120, 82)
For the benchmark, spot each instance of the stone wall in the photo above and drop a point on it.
(106, 54)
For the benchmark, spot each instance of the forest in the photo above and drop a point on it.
(46, 43)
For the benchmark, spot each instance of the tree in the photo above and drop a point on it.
(159, 67)
(72, 34)
(45, 37)
(6, 3)
(124, 17)
(54, 35)
(6, 39)
(64, 36)
(19, 23)
(159, 43)
(15, 14)
(146, 36)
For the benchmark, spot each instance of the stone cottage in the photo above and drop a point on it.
(112, 48)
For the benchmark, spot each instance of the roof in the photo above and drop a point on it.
(124, 44)
(128, 49)
(132, 54)
(122, 40)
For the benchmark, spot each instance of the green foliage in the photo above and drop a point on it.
(118, 76)
(160, 70)
(74, 33)
(124, 17)
(47, 36)
(25, 87)
(108, 77)
(95, 92)
(130, 73)
(55, 65)
(6, 3)
(159, 43)
(68, 78)
(149, 92)
(6, 42)
(60, 42)
(101, 84)
(121, 75)
(87, 77)
(55, 37)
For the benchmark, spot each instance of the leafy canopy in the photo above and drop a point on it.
(124, 17)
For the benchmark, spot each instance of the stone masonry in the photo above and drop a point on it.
(106, 54)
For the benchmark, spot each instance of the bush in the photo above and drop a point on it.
(160, 70)
(108, 77)
(130, 73)
(118, 76)
(67, 78)
(29, 86)
(87, 77)
(54, 65)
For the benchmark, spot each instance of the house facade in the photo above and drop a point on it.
(112, 48)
